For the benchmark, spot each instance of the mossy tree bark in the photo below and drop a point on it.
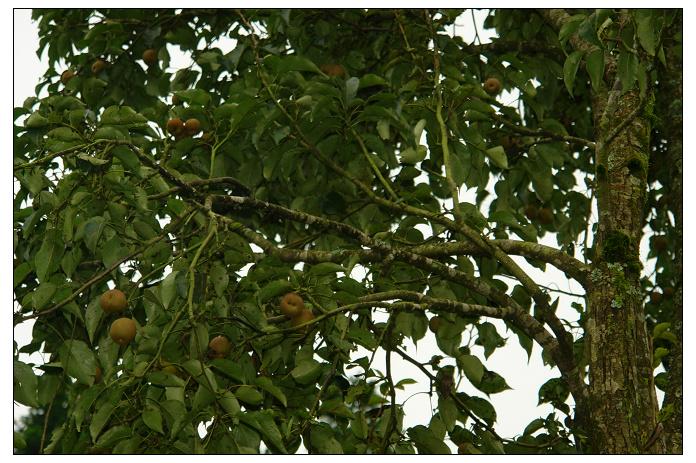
(621, 391)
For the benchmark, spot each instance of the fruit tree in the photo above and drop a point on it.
(216, 256)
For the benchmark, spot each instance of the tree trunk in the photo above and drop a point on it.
(673, 96)
(622, 395)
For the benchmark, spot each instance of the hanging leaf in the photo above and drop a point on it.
(570, 70)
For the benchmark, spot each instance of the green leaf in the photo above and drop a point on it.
(472, 367)
(93, 316)
(481, 407)
(18, 441)
(306, 372)
(595, 68)
(270, 432)
(267, 385)
(113, 435)
(570, 69)
(296, 63)
(152, 417)
(413, 155)
(194, 96)
(358, 426)
(25, 384)
(84, 403)
(570, 27)
(647, 30)
(35, 121)
(492, 383)
(448, 411)
(273, 289)
(498, 156)
(326, 268)
(123, 115)
(628, 70)
(248, 395)
(229, 403)
(426, 442)
(100, 418)
(20, 273)
(47, 259)
(43, 294)
(78, 361)
(352, 85)
(383, 129)
(323, 441)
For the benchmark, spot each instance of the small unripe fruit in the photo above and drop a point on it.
(303, 317)
(545, 216)
(98, 66)
(333, 70)
(668, 291)
(492, 86)
(122, 331)
(113, 301)
(219, 346)
(175, 126)
(291, 305)
(150, 56)
(192, 126)
(434, 324)
(531, 211)
(66, 76)
(660, 243)
(655, 297)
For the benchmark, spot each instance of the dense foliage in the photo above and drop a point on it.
(329, 142)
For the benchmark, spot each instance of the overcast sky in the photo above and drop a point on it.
(515, 407)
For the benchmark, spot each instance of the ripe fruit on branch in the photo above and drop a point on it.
(219, 347)
(434, 324)
(333, 70)
(192, 126)
(660, 243)
(150, 56)
(122, 331)
(655, 297)
(175, 126)
(113, 301)
(66, 76)
(304, 316)
(545, 216)
(98, 66)
(492, 86)
(291, 305)
(531, 211)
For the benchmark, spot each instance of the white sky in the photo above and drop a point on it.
(515, 408)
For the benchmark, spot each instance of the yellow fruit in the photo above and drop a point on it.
(220, 346)
(492, 86)
(122, 331)
(304, 316)
(291, 305)
(66, 76)
(98, 66)
(150, 56)
(113, 301)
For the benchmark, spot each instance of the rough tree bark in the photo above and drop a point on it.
(673, 121)
(622, 391)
